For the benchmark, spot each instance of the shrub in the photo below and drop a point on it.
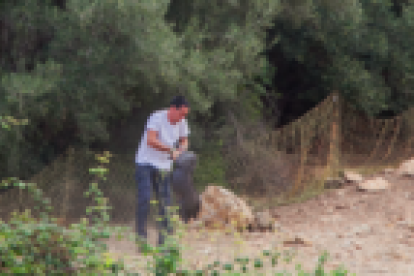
(38, 245)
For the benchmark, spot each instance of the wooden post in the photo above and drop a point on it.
(303, 157)
(333, 161)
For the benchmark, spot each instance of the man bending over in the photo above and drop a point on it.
(154, 158)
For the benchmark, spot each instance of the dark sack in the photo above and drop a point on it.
(183, 185)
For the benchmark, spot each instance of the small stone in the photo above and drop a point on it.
(348, 235)
(341, 206)
(374, 184)
(264, 220)
(333, 183)
(277, 226)
(406, 168)
(388, 171)
(362, 229)
(353, 177)
(206, 251)
(325, 219)
(410, 226)
(403, 223)
(296, 241)
(347, 243)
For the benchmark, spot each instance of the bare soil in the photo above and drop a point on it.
(369, 233)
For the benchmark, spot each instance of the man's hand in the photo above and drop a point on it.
(183, 144)
(175, 153)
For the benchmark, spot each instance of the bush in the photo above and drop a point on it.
(38, 245)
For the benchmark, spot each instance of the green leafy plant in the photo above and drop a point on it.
(39, 245)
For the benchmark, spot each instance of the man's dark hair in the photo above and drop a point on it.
(179, 101)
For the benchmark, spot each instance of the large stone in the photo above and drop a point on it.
(406, 168)
(353, 177)
(221, 208)
(374, 184)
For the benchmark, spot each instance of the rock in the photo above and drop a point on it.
(374, 184)
(388, 171)
(277, 226)
(195, 224)
(263, 221)
(221, 207)
(353, 177)
(333, 183)
(362, 229)
(206, 250)
(403, 223)
(296, 241)
(341, 206)
(340, 192)
(408, 195)
(406, 168)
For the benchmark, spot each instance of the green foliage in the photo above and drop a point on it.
(8, 121)
(40, 246)
(211, 166)
(228, 40)
(361, 48)
(75, 71)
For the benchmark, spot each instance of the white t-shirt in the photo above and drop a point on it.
(168, 134)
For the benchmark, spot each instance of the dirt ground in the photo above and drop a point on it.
(369, 233)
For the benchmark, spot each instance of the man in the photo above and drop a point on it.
(154, 159)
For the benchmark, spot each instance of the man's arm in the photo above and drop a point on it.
(184, 132)
(152, 141)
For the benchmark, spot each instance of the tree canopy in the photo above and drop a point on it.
(362, 49)
(75, 67)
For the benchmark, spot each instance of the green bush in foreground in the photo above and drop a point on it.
(39, 246)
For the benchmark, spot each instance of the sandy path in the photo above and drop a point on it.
(369, 233)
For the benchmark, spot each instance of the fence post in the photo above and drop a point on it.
(333, 158)
(303, 157)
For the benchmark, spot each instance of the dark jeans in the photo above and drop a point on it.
(147, 176)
